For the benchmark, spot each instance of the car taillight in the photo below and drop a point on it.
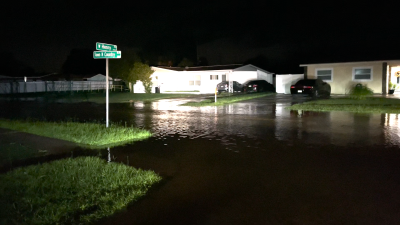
(254, 85)
(307, 86)
(292, 86)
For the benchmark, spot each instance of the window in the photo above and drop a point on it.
(324, 74)
(362, 73)
(195, 80)
(224, 77)
(213, 77)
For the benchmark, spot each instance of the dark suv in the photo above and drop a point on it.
(224, 86)
(311, 87)
(257, 86)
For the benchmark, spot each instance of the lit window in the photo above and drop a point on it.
(364, 73)
(213, 77)
(324, 74)
(195, 80)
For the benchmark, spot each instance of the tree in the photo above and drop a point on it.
(185, 63)
(202, 61)
(80, 61)
(10, 66)
(120, 68)
(142, 72)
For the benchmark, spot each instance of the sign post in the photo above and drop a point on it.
(216, 91)
(107, 87)
(107, 51)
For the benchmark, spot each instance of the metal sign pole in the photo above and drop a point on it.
(216, 90)
(107, 92)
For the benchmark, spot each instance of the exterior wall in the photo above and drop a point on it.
(265, 76)
(208, 85)
(342, 75)
(170, 81)
(284, 81)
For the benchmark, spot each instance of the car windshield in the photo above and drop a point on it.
(306, 82)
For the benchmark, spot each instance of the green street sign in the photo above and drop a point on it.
(105, 47)
(106, 54)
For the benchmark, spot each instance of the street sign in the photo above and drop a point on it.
(107, 51)
(105, 47)
(106, 54)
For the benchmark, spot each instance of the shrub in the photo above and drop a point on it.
(360, 91)
(392, 86)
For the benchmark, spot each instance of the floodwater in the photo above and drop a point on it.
(252, 162)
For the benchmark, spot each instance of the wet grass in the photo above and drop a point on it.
(70, 191)
(226, 98)
(88, 134)
(364, 105)
(97, 97)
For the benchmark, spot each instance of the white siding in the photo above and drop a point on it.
(284, 81)
(265, 76)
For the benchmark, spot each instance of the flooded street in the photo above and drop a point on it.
(252, 162)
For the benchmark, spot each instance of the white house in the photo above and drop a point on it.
(204, 79)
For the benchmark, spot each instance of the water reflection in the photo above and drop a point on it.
(391, 129)
(339, 128)
(262, 119)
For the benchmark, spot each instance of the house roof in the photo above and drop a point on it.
(375, 61)
(250, 67)
(201, 68)
(234, 67)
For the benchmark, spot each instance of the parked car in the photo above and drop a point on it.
(257, 86)
(311, 87)
(224, 86)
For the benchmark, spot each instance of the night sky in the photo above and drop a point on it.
(275, 35)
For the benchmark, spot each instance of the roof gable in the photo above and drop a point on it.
(233, 67)
(202, 68)
(250, 67)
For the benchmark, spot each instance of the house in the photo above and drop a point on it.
(342, 76)
(98, 77)
(204, 79)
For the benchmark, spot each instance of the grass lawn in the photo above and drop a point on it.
(88, 134)
(367, 105)
(225, 98)
(98, 97)
(70, 191)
